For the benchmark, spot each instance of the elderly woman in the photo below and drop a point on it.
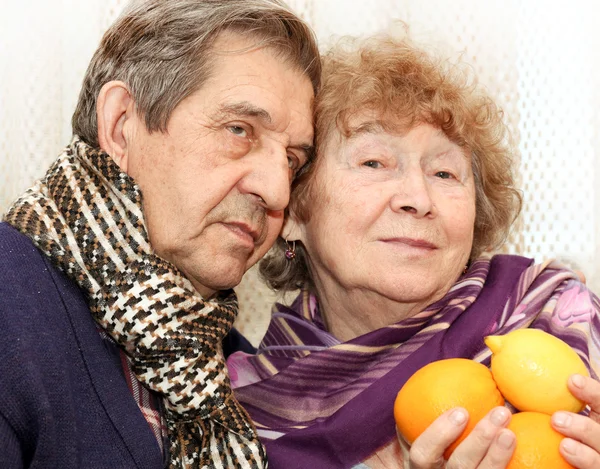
(384, 236)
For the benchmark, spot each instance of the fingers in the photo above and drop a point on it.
(500, 451)
(588, 390)
(582, 449)
(579, 427)
(488, 446)
(427, 451)
(579, 455)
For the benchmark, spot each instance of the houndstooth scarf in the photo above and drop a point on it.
(86, 216)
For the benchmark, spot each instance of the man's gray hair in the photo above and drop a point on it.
(162, 50)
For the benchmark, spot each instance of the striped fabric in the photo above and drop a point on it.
(320, 403)
(148, 404)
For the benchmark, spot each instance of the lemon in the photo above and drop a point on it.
(531, 369)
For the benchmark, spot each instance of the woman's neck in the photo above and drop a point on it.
(350, 313)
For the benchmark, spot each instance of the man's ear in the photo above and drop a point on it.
(113, 108)
(293, 230)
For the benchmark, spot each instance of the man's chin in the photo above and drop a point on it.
(219, 281)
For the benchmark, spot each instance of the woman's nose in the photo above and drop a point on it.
(413, 195)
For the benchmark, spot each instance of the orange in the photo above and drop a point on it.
(537, 443)
(440, 386)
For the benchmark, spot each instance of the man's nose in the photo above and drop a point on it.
(268, 177)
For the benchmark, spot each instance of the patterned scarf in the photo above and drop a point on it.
(325, 404)
(86, 216)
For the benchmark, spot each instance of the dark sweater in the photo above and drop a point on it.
(64, 400)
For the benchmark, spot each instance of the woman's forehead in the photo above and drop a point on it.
(372, 134)
(366, 124)
(377, 121)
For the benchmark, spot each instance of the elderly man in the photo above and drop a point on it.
(116, 267)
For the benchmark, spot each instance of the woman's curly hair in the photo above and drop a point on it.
(406, 85)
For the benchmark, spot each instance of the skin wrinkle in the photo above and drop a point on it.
(364, 214)
(219, 176)
(246, 109)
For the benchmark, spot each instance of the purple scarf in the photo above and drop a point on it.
(321, 404)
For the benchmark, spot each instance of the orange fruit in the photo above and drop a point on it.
(537, 443)
(440, 386)
(531, 369)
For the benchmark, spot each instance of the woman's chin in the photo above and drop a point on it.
(410, 287)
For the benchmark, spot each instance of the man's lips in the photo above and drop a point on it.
(243, 230)
(412, 242)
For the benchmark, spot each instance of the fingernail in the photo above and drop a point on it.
(506, 439)
(562, 419)
(569, 446)
(458, 417)
(577, 381)
(499, 416)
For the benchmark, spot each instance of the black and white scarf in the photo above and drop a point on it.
(86, 216)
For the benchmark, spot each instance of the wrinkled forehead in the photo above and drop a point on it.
(371, 127)
(351, 124)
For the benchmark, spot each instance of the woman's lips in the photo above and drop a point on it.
(412, 242)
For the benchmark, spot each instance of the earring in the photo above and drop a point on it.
(290, 251)
(465, 269)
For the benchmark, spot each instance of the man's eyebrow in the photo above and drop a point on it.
(245, 109)
(309, 151)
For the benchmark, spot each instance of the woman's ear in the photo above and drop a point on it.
(292, 230)
(113, 108)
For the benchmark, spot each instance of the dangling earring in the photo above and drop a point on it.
(465, 269)
(290, 252)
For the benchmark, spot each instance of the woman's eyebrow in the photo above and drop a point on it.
(367, 127)
(452, 152)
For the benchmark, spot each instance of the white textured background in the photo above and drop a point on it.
(538, 58)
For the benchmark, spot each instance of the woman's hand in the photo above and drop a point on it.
(489, 446)
(582, 448)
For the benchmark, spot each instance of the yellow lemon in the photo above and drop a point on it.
(531, 369)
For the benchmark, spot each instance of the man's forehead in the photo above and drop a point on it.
(232, 42)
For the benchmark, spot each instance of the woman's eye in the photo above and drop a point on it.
(372, 164)
(444, 175)
(237, 130)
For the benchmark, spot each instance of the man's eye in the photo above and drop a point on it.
(293, 163)
(237, 130)
(443, 175)
(295, 166)
(372, 164)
